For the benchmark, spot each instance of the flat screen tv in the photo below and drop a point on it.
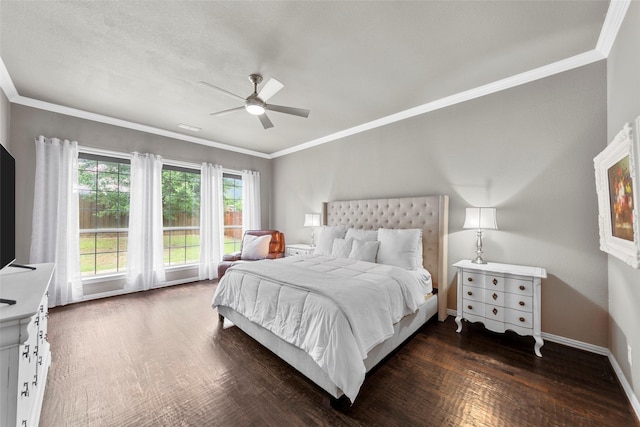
(7, 208)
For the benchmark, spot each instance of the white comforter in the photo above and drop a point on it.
(334, 309)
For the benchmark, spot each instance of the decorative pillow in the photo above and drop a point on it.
(401, 248)
(341, 248)
(364, 250)
(359, 234)
(255, 247)
(326, 237)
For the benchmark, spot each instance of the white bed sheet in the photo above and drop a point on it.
(334, 309)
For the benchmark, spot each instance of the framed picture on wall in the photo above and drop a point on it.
(617, 169)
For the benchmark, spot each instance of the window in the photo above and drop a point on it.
(103, 184)
(181, 215)
(232, 201)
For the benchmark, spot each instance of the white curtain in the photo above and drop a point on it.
(145, 264)
(251, 201)
(211, 221)
(55, 233)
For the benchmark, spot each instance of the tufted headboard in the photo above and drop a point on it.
(430, 213)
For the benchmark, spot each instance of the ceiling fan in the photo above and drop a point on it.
(256, 103)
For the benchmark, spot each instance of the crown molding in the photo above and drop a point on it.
(612, 23)
(576, 61)
(6, 83)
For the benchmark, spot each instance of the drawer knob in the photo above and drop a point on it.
(469, 293)
(494, 281)
(470, 279)
(470, 307)
(522, 319)
(25, 353)
(25, 392)
(521, 303)
(494, 296)
(495, 311)
(521, 287)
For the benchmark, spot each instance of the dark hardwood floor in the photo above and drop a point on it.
(160, 358)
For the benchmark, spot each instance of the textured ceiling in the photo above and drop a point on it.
(348, 62)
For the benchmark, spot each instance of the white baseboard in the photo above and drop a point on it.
(633, 399)
(603, 351)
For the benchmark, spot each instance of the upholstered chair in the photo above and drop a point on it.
(255, 246)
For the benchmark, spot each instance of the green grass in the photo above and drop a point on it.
(100, 256)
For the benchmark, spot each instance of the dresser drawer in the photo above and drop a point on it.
(519, 286)
(494, 297)
(494, 312)
(470, 278)
(474, 307)
(494, 282)
(518, 302)
(518, 318)
(471, 293)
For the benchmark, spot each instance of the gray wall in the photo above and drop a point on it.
(27, 123)
(527, 151)
(623, 80)
(5, 119)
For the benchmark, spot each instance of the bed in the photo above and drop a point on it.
(330, 315)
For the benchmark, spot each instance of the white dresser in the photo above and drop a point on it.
(502, 297)
(24, 350)
(298, 249)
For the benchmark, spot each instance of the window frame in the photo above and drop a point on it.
(104, 157)
(179, 167)
(236, 245)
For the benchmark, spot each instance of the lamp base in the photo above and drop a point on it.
(478, 261)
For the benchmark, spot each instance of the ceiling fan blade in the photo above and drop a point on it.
(266, 123)
(288, 110)
(219, 113)
(269, 89)
(219, 89)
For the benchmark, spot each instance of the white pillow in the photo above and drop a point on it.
(402, 248)
(359, 234)
(255, 247)
(341, 248)
(326, 237)
(364, 251)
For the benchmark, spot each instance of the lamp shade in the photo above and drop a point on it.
(481, 219)
(312, 220)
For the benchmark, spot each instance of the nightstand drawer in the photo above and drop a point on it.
(518, 302)
(495, 283)
(473, 294)
(519, 286)
(293, 251)
(298, 249)
(470, 278)
(494, 312)
(474, 307)
(518, 318)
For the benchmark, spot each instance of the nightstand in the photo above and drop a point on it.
(502, 297)
(298, 249)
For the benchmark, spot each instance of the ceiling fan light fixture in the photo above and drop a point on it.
(255, 109)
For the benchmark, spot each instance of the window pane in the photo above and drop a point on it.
(107, 262)
(122, 242)
(106, 242)
(104, 204)
(180, 211)
(87, 243)
(232, 195)
(87, 264)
